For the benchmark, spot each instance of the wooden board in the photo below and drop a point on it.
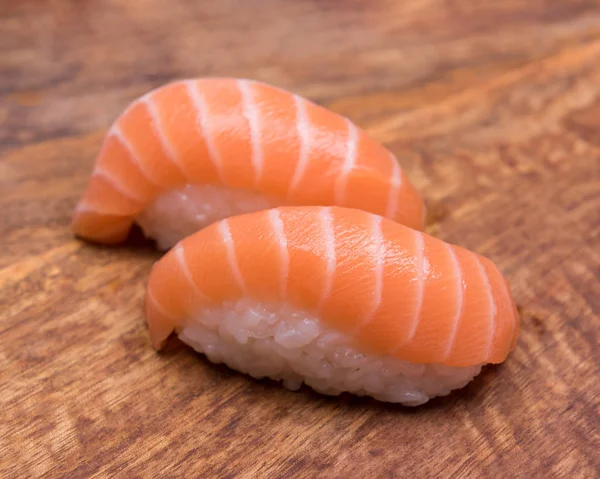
(494, 110)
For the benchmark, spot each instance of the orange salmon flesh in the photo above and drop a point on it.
(394, 289)
(240, 134)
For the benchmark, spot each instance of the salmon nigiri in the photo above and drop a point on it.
(337, 298)
(193, 152)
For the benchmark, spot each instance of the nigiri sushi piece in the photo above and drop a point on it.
(193, 152)
(338, 298)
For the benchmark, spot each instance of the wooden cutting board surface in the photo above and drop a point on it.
(493, 108)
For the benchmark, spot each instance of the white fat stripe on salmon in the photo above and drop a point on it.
(158, 306)
(83, 207)
(326, 217)
(116, 184)
(349, 162)
(202, 122)
(182, 261)
(378, 259)
(157, 127)
(493, 308)
(459, 310)
(420, 260)
(396, 183)
(277, 224)
(249, 106)
(302, 126)
(121, 138)
(231, 256)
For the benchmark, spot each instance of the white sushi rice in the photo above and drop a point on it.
(282, 343)
(177, 213)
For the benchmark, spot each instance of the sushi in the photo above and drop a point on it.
(193, 152)
(340, 299)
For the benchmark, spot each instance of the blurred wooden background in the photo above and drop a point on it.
(493, 108)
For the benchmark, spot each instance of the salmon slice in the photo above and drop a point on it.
(395, 290)
(244, 135)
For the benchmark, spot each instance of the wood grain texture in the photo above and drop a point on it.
(494, 110)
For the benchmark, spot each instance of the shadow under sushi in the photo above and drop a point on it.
(269, 387)
(136, 242)
(466, 394)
